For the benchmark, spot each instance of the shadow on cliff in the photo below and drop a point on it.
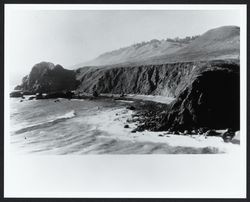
(212, 100)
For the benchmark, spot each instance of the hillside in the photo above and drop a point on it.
(218, 43)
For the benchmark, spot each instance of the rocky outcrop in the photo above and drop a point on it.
(16, 93)
(46, 77)
(210, 100)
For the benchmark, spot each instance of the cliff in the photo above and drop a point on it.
(211, 99)
(146, 79)
(166, 79)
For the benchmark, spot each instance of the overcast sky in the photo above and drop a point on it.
(71, 37)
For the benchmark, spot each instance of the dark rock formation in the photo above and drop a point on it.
(131, 108)
(228, 135)
(67, 94)
(46, 77)
(31, 97)
(126, 126)
(210, 100)
(53, 95)
(16, 94)
(236, 138)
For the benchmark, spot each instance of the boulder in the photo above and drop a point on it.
(16, 94)
(236, 138)
(39, 96)
(131, 107)
(228, 135)
(95, 94)
(32, 97)
(212, 133)
(186, 132)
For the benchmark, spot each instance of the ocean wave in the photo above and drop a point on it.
(51, 122)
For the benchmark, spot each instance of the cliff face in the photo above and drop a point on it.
(47, 77)
(168, 79)
(148, 79)
(212, 99)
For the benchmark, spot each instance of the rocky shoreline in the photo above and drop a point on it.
(147, 115)
(206, 94)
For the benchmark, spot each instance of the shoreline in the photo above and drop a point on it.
(122, 122)
(113, 121)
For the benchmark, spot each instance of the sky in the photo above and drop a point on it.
(69, 37)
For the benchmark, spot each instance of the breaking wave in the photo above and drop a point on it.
(51, 122)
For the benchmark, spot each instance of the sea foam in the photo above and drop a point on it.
(50, 122)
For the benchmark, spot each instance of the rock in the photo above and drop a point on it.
(212, 133)
(27, 93)
(228, 135)
(63, 94)
(175, 132)
(95, 94)
(195, 132)
(186, 132)
(236, 138)
(32, 97)
(16, 94)
(131, 107)
(39, 96)
(18, 88)
(47, 77)
(170, 130)
(160, 135)
(126, 126)
(133, 131)
(203, 130)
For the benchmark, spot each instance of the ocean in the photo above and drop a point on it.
(62, 126)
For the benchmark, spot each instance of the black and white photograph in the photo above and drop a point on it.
(148, 81)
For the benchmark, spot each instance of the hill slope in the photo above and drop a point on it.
(136, 53)
(218, 43)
